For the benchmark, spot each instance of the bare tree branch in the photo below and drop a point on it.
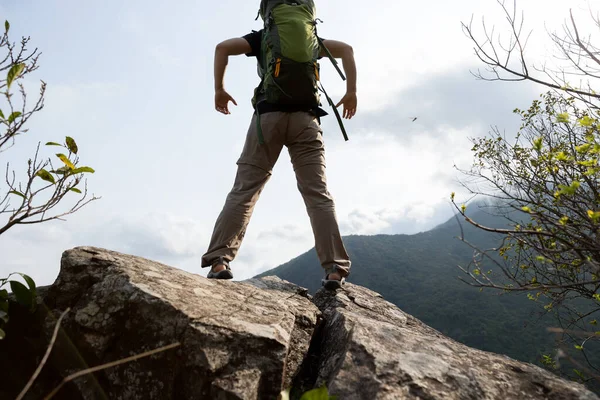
(574, 48)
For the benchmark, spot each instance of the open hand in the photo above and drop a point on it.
(350, 102)
(222, 99)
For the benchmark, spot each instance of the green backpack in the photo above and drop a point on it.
(288, 66)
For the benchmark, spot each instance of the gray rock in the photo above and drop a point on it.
(243, 340)
(238, 340)
(372, 350)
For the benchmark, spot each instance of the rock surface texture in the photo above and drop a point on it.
(372, 350)
(238, 340)
(243, 340)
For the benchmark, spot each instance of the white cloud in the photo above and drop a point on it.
(34, 250)
(362, 222)
(64, 101)
(164, 237)
(410, 219)
(156, 235)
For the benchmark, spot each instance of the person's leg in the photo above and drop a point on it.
(254, 170)
(231, 224)
(307, 152)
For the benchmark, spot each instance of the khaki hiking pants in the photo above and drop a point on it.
(302, 135)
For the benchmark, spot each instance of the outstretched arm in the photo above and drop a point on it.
(230, 47)
(346, 53)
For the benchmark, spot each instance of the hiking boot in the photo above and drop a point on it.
(333, 284)
(223, 274)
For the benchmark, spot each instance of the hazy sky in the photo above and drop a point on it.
(131, 81)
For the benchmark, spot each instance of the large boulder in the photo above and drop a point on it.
(242, 340)
(372, 350)
(238, 340)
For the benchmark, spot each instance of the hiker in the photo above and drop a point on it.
(287, 113)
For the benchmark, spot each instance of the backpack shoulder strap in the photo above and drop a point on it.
(335, 64)
(335, 111)
(333, 61)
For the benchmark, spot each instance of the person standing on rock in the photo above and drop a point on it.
(287, 113)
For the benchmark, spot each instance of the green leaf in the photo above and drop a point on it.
(62, 170)
(1, 114)
(586, 121)
(65, 160)
(593, 215)
(13, 73)
(6, 26)
(82, 170)
(537, 144)
(75, 190)
(45, 175)
(583, 148)
(589, 163)
(568, 190)
(17, 193)
(316, 394)
(23, 295)
(2, 334)
(71, 145)
(591, 171)
(53, 144)
(548, 361)
(13, 116)
(30, 283)
(579, 347)
(562, 117)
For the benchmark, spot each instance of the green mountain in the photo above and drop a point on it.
(419, 274)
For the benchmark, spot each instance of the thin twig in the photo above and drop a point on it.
(109, 365)
(45, 358)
